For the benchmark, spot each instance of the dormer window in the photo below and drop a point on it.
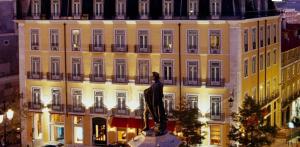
(36, 9)
(193, 9)
(55, 9)
(120, 9)
(144, 9)
(168, 9)
(99, 9)
(215, 9)
(76, 9)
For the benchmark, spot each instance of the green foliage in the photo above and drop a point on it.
(250, 128)
(190, 125)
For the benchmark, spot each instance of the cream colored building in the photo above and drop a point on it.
(83, 71)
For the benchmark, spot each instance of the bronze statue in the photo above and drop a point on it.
(155, 106)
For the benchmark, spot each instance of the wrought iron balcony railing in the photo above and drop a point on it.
(120, 111)
(142, 80)
(120, 79)
(119, 48)
(215, 82)
(57, 107)
(97, 47)
(34, 75)
(191, 81)
(97, 78)
(143, 48)
(34, 106)
(55, 76)
(75, 77)
(169, 81)
(76, 109)
(98, 110)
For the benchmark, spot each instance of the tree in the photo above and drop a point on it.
(250, 128)
(189, 124)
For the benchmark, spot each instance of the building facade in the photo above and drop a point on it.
(84, 65)
(290, 68)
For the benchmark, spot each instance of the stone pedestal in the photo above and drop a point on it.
(148, 139)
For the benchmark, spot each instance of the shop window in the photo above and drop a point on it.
(215, 135)
(78, 129)
(122, 135)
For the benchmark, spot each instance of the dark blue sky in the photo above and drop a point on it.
(289, 4)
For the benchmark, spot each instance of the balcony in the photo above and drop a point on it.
(191, 81)
(215, 51)
(55, 76)
(139, 112)
(98, 15)
(34, 106)
(169, 81)
(54, 46)
(215, 83)
(75, 47)
(215, 117)
(75, 109)
(34, 75)
(142, 80)
(192, 49)
(57, 107)
(97, 78)
(144, 15)
(98, 110)
(119, 48)
(97, 48)
(75, 77)
(120, 111)
(36, 15)
(120, 79)
(34, 46)
(55, 15)
(76, 15)
(269, 98)
(120, 15)
(143, 48)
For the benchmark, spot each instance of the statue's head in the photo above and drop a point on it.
(155, 76)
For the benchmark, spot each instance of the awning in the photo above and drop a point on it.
(121, 122)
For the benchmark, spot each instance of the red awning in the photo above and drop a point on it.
(136, 123)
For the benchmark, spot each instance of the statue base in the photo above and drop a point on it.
(148, 139)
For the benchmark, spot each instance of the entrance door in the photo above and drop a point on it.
(99, 131)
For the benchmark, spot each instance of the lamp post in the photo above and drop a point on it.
(3, 116)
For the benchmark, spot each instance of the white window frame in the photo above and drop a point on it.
(34, 39)
(121, 8)
(100, 64)
(99, 105)
(36, 67)
(218, 114)
(54, 96)
(220, 71)
(193, 9)
(168, 102)
(254, 65)
(143, 78)
(194, 102)
(36, 100)
(123, 105)
(194, 34)
(77, 72)
(167, 46)
(168, 9)
(144, 7)
(76, 42)
(194, 79)
(168, 79)
(57, 70)
(55, 8)
(76, 8)
(54, 39)
(36, 9)
(215, 50)
(120, 76)
(98, 9)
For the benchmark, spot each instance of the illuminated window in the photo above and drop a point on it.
(215, 41)
(144, 8)
(35, 65)
(169, 102)
(192, 101)
(36, 95)
(167, 41)
(246, 68)
(168, 9)
(78, 129)
(192, 41)
(57, 128)
(122, 135)
(99, 8)
(193, 9)
(35, 39)
(54, 39)
(254, 64)
(215, 135)
(76, 40)
(254, 38)
(246, 40)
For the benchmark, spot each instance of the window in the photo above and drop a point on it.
(97, 38)
(142, 101)
(254, 93)
(120, 69)
(215, 8)
(76, 67)
(143, 71)
(35, 39)
(55, 8)
(56, 128)
(56, 96)
(215, 104)
(54, 39)
(144, 8)
(167, 41)
(98, 69)
(192, 101)
(268, 59)
(76, 8)
(77, 98)
(274, 56)
(215, 41)
(167, 70)
(98, 99)
(261, 62)
(78, 129)
(261, 36)
(120, 9)
(246, 40)
(274, 33)
(36, 8)
(254, 38)
(120, 39)
(36, 95)
(246, 68)
(268, 89)
(168, 9)
(169, 102)
(215, 135)
(268, 34)
(192, 70)
(76, 40)
(192, 41)
(143, 40)
(215, 72)
(35, 65)
(254, 64)
(121, 100)
(99, 8)
(55, 66)
(193, 9)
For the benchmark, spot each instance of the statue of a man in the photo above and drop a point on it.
(155, 106)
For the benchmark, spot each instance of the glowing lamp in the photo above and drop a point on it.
(10, 114)
(1, 118)
(46, 101)
(87, 103)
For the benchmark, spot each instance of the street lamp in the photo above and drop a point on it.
(9, 115)
(230, 101)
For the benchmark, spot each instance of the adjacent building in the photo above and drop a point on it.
(84, 64)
